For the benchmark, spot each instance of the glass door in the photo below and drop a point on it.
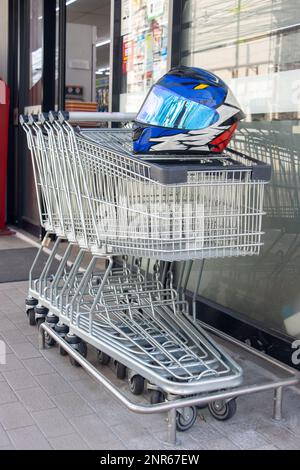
(252, 46)
(35, 56)
(36, 75)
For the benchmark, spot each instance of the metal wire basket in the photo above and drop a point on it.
(97, 193)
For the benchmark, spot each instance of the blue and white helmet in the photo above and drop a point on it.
(189, 110)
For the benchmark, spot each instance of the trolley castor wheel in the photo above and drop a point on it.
(136, 384)
(62, 330)
(49, 340)
(40, 314)
(31, 316)
(186, 418)
(120, 371)
(82, 349)
(31, 302)
(51, 321)
(78, 345)
(62, 351)
(103, 358)
(201, 407)
(39, 321)
(40, 310)
(156, 396)
(222, 410)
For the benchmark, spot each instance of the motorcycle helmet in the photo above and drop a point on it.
(189, 110)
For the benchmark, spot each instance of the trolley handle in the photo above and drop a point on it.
(43, 117)
(260, 170)
(23, 119)
(77, 117)
(53, 116)
(29, 119)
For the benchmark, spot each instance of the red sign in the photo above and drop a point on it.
(4, 117)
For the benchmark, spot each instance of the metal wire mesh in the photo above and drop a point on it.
(100, 196)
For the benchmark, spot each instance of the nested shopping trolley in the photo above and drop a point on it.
(128, 235)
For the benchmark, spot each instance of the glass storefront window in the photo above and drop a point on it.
(87, 55)
(144, 31)
(253, 47)
(36, 52)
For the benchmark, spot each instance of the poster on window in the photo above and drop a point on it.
(125, 17)
(145, 38)
(155, 8)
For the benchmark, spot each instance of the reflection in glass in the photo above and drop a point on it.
(36, 52)
(144, 31)
(251, 45)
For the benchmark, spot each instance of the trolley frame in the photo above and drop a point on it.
(170, 406)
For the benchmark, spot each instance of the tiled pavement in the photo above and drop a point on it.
(45, 403)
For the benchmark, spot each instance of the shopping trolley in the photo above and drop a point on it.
(129, 230)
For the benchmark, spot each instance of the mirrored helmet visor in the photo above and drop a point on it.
(165, 108)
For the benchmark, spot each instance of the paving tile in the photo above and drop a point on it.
(12, 313)
(219, 444)
(54, 384)
(71, 404)
(69, 442)
(22, 325)
(2, 314)
(96, 433)
(12, 363)
(83, 415)
(6, 302)
(25, 350)
(13, 310)
(4, 439)
(155, 422)
(12, 337)
(29, 438)
(143, 443)
(291, 411)
(280, 437)
(5, 348)
(129, 429)
(90, 390)
(38, 366)
(7, 395)
(6, 325)
(19, 379)
(248, 440)
(204, 431)
(113, 413)
(244, 422)
(12, 415)
(33, 339)
(267, 447)
(183, 441)
(52, 423)
(52, 355)
(15, 295)
(35, 399)
(69, 372)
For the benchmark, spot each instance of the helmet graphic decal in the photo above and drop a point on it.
(187, 110)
